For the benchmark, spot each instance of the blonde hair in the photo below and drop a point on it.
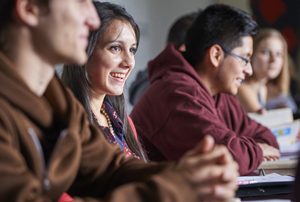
(282, 81)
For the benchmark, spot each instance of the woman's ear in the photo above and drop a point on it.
(27, 12)
(216, 55)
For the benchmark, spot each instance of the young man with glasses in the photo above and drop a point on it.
(193, 93)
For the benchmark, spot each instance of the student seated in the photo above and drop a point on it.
(268, 87)
(193, 93)
(48, 145)
(99, 84)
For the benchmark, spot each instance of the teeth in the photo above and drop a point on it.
(118, 75)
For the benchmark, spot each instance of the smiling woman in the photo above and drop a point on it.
(99, 84)
(113, 59)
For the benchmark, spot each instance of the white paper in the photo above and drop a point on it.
(273, 177)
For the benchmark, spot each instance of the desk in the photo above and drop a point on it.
(282, 167)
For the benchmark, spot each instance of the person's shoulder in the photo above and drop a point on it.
(141, 77)
(5, 106)
(138, 86)
(6, 111)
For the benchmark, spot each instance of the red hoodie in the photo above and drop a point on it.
(177, 111)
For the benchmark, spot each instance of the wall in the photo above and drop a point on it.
(155, 17)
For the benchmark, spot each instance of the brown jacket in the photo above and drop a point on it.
(47, 147)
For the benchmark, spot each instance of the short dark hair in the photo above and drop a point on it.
(217, 24)
(6, 18)
(6, 10)
(6, 15)
(179, 28)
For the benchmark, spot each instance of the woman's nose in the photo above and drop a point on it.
(128, 60)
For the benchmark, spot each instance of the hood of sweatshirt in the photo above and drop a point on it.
(14, 89)
(168, 61)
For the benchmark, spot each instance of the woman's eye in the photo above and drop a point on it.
(133, 50)
(265, 51)
(115, 48)
(279, 54)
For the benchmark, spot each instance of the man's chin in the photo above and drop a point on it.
(77, 59)
(81, 60)
(232, 91)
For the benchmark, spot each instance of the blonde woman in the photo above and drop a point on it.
(268, 87)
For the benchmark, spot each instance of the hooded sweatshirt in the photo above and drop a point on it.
(48, 147)
(177, 111)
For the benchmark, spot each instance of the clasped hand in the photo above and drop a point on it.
(211, 170)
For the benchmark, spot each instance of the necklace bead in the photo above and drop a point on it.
(111, 129)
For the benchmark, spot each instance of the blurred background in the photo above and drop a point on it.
(156, 16)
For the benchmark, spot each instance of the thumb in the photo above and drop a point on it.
(206, 145)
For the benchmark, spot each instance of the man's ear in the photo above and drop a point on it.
(182, 48)
(216, 55)
(27, 12)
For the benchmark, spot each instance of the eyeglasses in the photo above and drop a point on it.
(245, 61)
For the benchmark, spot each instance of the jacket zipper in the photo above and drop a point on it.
(38, 146)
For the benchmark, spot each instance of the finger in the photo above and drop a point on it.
(275, 152)
(216, 193)
(214, 174)
(201, 155)
(231, 173)
(225, 192)
(271, 158)
(220, 155)
(268, 158)
(274, 158)
(227, 157)
(206, 145)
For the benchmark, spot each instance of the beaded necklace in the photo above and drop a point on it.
(111, 129)
(115, 129)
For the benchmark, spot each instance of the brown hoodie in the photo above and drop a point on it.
(47, 147)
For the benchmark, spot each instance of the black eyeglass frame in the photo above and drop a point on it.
(245, 61)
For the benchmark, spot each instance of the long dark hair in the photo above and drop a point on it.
(74, 76)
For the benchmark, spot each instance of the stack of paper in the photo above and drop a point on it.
(270, 178)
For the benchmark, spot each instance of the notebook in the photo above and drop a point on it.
(268, 185)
